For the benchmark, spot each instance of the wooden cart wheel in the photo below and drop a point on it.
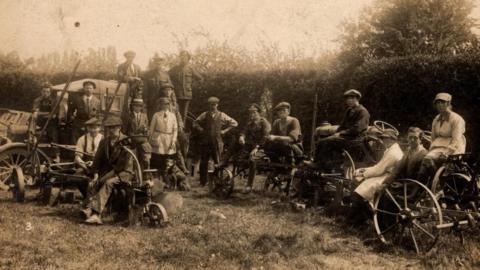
(403, 218)
(157, 214)
(17, 155)
(223, 182)
(17, 183)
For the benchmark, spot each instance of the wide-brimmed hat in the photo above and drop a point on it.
(93, 122)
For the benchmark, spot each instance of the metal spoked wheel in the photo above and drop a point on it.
(406, 213)
(17, 184)
(157, 215)
(223, 182)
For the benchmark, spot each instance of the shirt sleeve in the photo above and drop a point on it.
(295, 130)
(228, 121)
(80, 146)
(387, 164)
(458, 129)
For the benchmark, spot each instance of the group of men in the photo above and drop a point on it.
(156, 128)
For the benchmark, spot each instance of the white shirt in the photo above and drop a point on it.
(91, 146)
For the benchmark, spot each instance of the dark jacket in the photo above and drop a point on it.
(137, 127)
(83, 112)
(355, 122)
(123, 71)
(154, 80)
(182, 79)
(256, 132)
(115, 158)
(45, 105)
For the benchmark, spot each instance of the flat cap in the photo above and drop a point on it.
(443, 96)
(352, 92)
(85, 83)
(213, 100)
(282, 105)
(129, 53)
(112, 121)
(46, 85)
(254, 107)
(389, 133)
(93, 122)
(157, 58)
(137, 101)
(163, 100)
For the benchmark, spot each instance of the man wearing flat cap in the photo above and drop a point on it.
(42, 106)
(128, 71)
(155, 79)
(372, 179)
(448, 129)
(112, 166)
(82, 109)
(137, 127)
(353, 126)
(285, 139)
(212, 125)
(182, 76)
(253, 136)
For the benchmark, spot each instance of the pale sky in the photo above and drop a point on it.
(33, 27)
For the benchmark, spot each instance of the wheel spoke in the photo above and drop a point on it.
(415, 223)
(393, 199)
(389, 228)
(452, 189)
(6, 162)
(414, 240)
(405, 195)
(386, 212)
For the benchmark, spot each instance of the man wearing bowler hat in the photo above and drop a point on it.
(353, 126)
(111, 166)
(82, 109)
(212, 125)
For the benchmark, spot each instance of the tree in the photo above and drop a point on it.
(407, 27)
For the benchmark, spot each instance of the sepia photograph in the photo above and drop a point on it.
(228, 134)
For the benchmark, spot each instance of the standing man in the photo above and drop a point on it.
(212, 125)
(354, 125)
(129, 72)
(155, 79)
(137, 126)
(82, 109)
(111, 166)
(42, 106)
(182, 76)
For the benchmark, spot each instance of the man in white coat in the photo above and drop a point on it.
(372, 179)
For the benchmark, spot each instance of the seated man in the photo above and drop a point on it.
(251, 138)
(85, 150)
(285, 138)
(353, 127)
(373, 178)
(113, 165)
(414, 154)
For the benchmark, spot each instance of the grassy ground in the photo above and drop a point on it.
(254, 235)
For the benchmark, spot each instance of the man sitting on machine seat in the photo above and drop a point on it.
(372, 179)
(353, 127)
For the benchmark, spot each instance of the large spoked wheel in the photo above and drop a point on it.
(223, 182)
(157, 215)
(17, 156)
(453, 188)
(17, 184)
(382, 126)
(406, 213)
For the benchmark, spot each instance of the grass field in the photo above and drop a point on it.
(254, 235)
